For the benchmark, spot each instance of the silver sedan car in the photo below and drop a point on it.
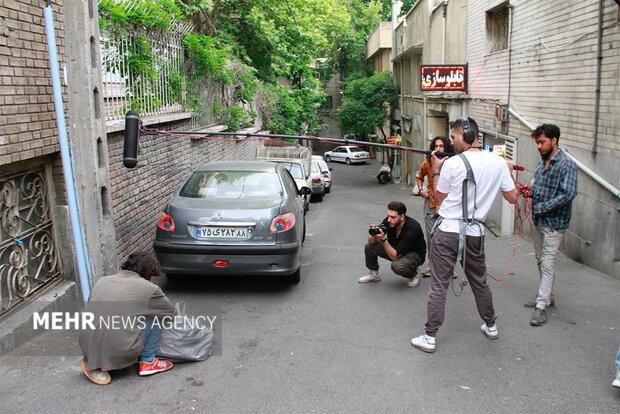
(237, 218)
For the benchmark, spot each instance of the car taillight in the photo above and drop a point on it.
(282, 223)
(221, 263)
(316, 181)
(165, 222)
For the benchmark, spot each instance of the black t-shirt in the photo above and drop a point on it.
(410, 239)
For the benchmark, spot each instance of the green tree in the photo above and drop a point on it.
(365, 102)
(386, 8)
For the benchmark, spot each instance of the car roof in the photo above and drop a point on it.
(257, 166)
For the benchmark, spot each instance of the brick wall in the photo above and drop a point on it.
(27, 121)
(140, 194)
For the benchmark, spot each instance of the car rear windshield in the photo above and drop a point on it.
(355, 149)
(315, 168)
(231, 185)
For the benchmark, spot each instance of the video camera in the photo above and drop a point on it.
(374, 229)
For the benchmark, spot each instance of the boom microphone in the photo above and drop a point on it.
(441, 154)
(132, 133)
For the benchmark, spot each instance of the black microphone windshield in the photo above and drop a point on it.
(132, 132)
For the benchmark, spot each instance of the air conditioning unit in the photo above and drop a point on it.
(501, 113)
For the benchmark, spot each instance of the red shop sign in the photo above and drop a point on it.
(443, 77)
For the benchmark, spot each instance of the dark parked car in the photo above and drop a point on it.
(237, 218)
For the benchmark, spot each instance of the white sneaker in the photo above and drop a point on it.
(372, 277)
(616, 382)
(413, 281)
(424, 343)
(490, 331)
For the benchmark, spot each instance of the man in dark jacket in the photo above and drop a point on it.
(400, 240)
(128, 295)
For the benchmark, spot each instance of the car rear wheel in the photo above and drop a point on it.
(348, 161)
(303, 235)
(319, 197)
(295, 277)
(328, 158)
(327, 190)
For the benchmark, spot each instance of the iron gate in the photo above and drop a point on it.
(28, 257)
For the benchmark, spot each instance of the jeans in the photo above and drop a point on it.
(546, 245)
(406, 266)
(618, 359)
(430, 217)
(443, 255)
(151, 336)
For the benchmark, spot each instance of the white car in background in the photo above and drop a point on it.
(350, 154)
(317, 182)
(326, 170)
(297, 168)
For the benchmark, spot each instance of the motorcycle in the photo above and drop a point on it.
(385, 174)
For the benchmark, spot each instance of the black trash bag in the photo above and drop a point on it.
(185, 343)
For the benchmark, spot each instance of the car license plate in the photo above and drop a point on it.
(242, 233)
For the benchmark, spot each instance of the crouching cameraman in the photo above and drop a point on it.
(400, 240)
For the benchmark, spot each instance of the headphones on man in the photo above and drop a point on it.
(468, 135)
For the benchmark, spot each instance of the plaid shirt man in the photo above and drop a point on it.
(554, 189)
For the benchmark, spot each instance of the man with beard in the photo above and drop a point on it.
(554, 187)
(398, 239)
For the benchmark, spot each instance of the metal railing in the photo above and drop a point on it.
(152, 89)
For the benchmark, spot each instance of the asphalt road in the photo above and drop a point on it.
(330, 344)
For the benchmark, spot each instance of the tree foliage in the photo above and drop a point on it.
(258, 46)
(365, 102)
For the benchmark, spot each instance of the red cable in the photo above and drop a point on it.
(522, 216)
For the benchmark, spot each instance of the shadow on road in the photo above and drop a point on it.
(224, 283)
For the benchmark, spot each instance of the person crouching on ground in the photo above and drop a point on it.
(398, 239)
(439, 144)
(127, 294)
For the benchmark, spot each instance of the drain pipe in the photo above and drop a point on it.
(65, 152)
(579, 164)
(599, 61)
(443, 42)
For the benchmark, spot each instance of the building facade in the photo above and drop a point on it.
(379, 47)
(33, 242)
(431, 33)
(554, 62)
(527, 63)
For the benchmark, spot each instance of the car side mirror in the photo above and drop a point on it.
(305, 190)
(331, 169)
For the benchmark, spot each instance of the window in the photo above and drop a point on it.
(407, 77)
(231, 185)
(397, 70)
(415, 78)
(289, 183)
(497, 28)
